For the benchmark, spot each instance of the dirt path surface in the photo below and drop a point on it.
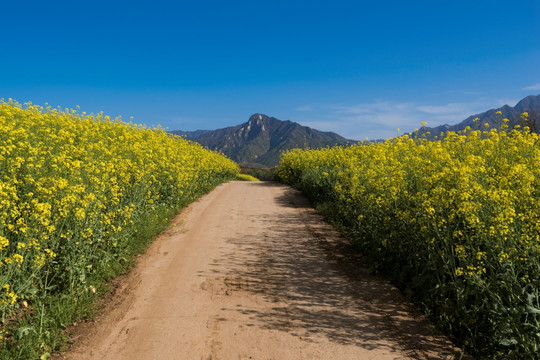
(251, 271)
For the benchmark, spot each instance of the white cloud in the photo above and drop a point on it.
(442, 109)
(534, 87)
(382, 118)
(375, 120)
(304, 108)
(454, 112)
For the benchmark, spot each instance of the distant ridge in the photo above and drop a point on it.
(530, 104)
(259, 141)
(190, 134)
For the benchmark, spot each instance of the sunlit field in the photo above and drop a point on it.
(455, 223)
(75, 192)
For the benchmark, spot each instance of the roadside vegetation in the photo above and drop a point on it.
(80, 195)
(263, 174)
(246, 177)
(455, 223)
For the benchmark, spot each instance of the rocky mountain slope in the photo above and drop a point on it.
(259, 141)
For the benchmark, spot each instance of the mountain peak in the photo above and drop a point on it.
(260, 140)
(528, 103)
(258, 119)
(257, 116)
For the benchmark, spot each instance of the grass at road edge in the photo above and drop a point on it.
(41, 329)
(246, 177)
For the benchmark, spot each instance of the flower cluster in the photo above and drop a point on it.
(455, 222)
(71, 186)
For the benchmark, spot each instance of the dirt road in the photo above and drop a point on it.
(251, 271)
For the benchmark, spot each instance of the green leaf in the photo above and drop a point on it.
(23, 331)
(531, 310)
(508, 342)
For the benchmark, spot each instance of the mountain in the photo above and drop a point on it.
(189, 134)
(530, 104)
(259, 141)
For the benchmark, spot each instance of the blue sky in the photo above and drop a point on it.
(359, 68)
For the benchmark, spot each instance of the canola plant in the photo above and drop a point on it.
(455, 223)
(71, 188)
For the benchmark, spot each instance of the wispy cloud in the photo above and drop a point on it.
(454, 112)
(376, 120)
(463, 92)
(443, 109)
(534, 87)
(382, 118)
(304, 108)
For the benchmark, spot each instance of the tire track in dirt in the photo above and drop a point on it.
(255, 273)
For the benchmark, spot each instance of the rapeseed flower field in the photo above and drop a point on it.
(454, 222)
(73, 188)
